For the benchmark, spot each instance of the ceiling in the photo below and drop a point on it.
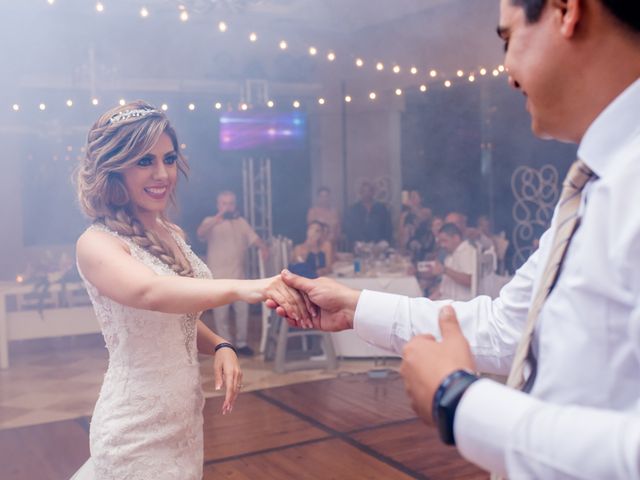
(70, 44)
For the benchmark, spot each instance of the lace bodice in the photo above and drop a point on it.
(147, 423)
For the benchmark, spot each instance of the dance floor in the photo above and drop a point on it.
(352, 427)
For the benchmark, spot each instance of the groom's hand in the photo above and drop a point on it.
(336, 302)
(427, 362)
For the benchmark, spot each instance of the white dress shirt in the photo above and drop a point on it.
(582, 417)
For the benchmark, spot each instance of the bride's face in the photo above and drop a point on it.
(152, 179)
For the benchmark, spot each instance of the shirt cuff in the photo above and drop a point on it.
(374, 317)
(485, 420)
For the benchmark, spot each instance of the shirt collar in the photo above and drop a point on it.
(611, 129)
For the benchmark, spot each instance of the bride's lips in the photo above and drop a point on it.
(157, 192)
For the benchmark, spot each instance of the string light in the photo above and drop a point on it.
(447, 83)
(217, 106)
(331, 55)
(270, 104)
(296, 104)
(164, 107)
(321, 101)
(191, 107)
(122, 102)
(372, 95)
(423, 88)
(244, 107)
(69, 103)
(94, 101)
(398, 91)
(347, 99)
(42, 106)
(15, 107)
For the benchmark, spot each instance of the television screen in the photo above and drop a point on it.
(262, 131)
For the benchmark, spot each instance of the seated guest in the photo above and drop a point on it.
(422, 245)
(367, 220)
(423, 248)
(413, 216)
(481, 236)
(325, 213)
(459, 220)
(313, 258)
(458, 267)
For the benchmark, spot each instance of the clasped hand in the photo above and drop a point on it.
(426, 361)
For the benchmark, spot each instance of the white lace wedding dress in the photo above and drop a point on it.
(147, 422)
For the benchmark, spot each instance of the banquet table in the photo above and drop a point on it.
(25, 321)
(347, 343)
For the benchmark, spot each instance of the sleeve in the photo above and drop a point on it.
(492, 327)
(514, 434)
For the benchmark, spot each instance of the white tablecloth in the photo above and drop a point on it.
(347, 343)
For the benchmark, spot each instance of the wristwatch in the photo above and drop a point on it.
(445, 402)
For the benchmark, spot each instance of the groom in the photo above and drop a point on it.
(567, 327)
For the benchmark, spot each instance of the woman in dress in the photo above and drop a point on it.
(148, 289)
(326, 214)
(314, 256)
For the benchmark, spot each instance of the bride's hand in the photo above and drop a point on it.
(296, 304)
(226, 369)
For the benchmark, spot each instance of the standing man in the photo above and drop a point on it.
(567, 327)
(228, 237)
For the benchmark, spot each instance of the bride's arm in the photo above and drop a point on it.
(107, 263)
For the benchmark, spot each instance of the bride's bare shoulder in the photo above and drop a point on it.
(94, 240)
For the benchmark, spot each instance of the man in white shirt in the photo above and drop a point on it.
(228, 236)
(578, 64)
(459, 264)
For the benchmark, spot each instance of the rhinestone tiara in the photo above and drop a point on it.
(134, 113)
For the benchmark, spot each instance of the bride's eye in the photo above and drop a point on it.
(145, 161)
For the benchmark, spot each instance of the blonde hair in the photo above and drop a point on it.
(116, 141)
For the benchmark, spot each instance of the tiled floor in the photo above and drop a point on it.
(354, 427)
(62, 380)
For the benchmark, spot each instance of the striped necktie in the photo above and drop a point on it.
(566, 225)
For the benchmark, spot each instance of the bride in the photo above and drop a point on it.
(148, 289)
